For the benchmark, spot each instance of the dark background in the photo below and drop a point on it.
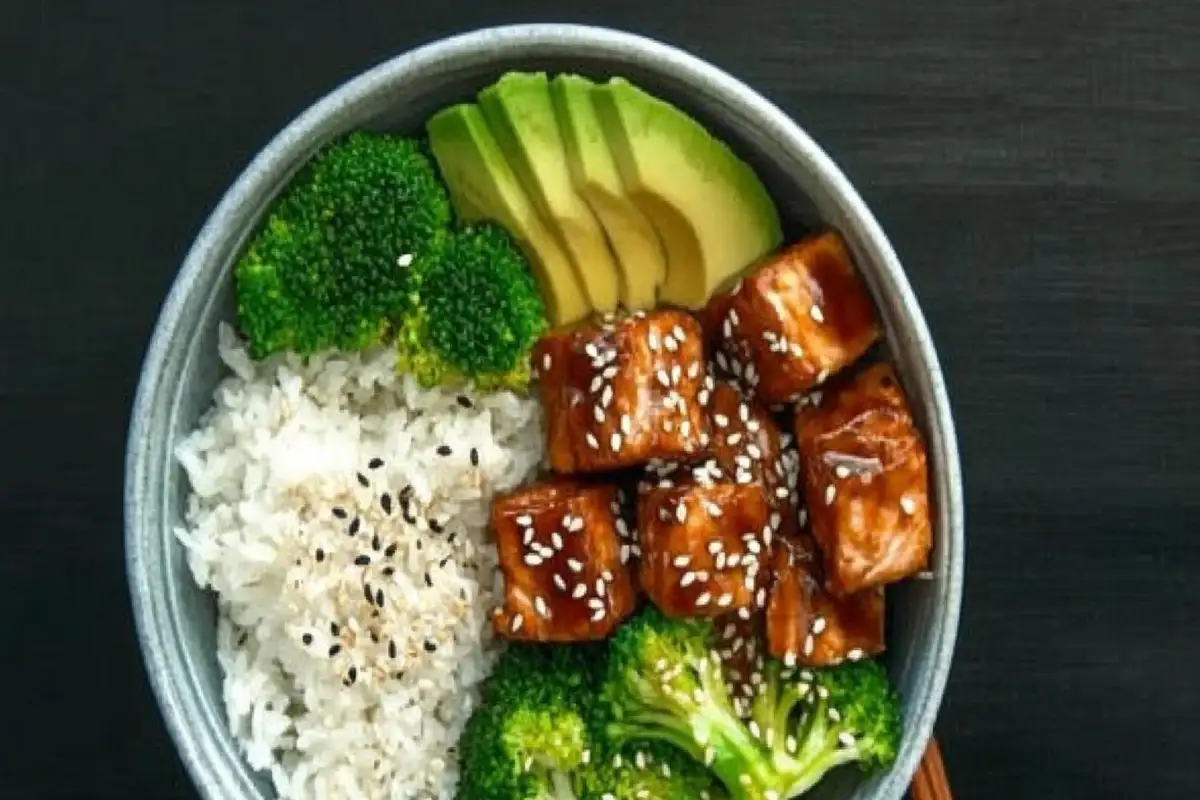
(1037, 165)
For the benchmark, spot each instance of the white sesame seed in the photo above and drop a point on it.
(808, 645)
(596, 383)
(575, 565)
(560, 582)
(525, 520)
(687, 579)
(754, 451)
(405, 260)
(664, 378)
(590, 349)
(908, 504)
(556, 540)
(615, 442)
(704, 599)
(592, 441)
(540, 605)
(517, 621)
(816, 313)
(625, 552)
(626, 424)
(818, 625)
(598, 414)
(670, 343)
(528, 537)
(652, 339)
(598, 614)
(595, 602)
(716, 546)
(721, 420)
(830, 493)
(681, 561)
(855, 654)
(607, 396)
(725, 600)
(579, 591)
(789, 658)
(533, 560)
(712, 508)
(842, 471)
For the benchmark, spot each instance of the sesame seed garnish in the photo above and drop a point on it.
(334, 650)
(725, 600)
(339, 512)
(579, 591)
(575, 565)
(598, 614)
(592, 441)
(818, 625)
(362, 480)
(664, 378)
(606, 396)
(533, 560)
(543, 610)
(704, 599)
(687, 579)
(815, 312)
(652, 339)
(596, 383)
(362, 560)
(354, 526)
(546, 362)
(830, 494)
(601, 587)
(681, 513)
(626, 424)
(842, 471)
(808, 645)
(908, 505)
(615, 442)
(682, 561)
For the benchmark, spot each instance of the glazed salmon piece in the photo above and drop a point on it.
(563, 552)
(865, 482)
(748, 446)
(808, 626)
(619, 393)
(705, 546)
(798, 318)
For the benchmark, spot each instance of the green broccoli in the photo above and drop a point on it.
(325, 270)
(530, 738)
(475, 312)
(665, 684)
(646, 770)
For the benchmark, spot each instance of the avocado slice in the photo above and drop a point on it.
(483, 187)
(520, 113)
(713, 214)
(641, 263)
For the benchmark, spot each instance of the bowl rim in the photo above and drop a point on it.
(208, 762)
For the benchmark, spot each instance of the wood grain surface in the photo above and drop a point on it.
(1037, 165)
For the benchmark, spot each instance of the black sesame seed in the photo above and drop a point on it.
(391, 550)
(435, 526)
(362, 480)
(398, 674)
(320, 555)
(428, 580)
(375, 463)
(374, 636)
(409, 518)
(334, 629)
(306, 638)
(474, 457)
(362, 561)
(392, 649)
(465, 401)
(385, 502)
(375, 543)
(444, 561)
(352, 674)
(354, 526)
(430, 646)
(367, 593)
(242, 639)
(420, 545)
(379, 597)
(339, 512)
(450, 539)
(389, 571)
(334, 650)
(444, 450)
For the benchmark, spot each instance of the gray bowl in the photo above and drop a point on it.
(176, 620)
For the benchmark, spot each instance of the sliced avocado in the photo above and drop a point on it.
(520, 114)
(641, 264)
(483, 187)
(713, 214)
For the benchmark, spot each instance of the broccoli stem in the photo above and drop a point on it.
(562, 786)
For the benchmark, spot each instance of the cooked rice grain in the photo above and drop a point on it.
(353, 628)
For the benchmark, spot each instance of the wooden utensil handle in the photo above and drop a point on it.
(930, 782)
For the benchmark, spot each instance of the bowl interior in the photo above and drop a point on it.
(177, 620)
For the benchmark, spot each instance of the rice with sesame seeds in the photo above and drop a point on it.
(351, 662)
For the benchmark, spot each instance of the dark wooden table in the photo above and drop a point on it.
(1037, 165)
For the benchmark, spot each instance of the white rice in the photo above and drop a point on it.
(281, 449)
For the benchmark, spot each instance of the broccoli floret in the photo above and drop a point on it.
(664, 684)
(529, 740)
(643, 770)
(475, 313)
(324, 269)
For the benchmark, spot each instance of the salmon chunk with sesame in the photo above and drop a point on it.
(865, 482)
(808, 626)
(747, 444)
(798, 318)
(704, 546)
(619, 393)
(564, 549)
